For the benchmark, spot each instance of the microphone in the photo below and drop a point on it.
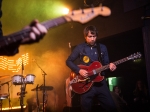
(145, 17)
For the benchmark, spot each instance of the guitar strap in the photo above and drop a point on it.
(99, 52)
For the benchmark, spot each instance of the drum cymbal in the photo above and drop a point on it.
(47, 88)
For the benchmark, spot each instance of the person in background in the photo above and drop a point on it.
(37, 32)
(140, 94)
(121, 104)
(87, 53)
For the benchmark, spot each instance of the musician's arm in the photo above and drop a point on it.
(105, 58)
(70, 60)
(104, 55)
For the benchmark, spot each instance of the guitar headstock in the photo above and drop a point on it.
(135, 56)
(85, 15)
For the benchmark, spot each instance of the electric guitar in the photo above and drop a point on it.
(82, 16)
(81, 85)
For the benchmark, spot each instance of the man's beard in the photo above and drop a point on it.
(92, 43)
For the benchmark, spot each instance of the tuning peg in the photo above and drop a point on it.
(92, 9)
(72, 13)
(82, 11)
(101, 7)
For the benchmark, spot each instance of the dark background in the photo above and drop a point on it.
(122, 32)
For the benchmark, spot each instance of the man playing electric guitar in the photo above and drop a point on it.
(88, 52)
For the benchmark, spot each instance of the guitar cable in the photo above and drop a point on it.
(69, 93)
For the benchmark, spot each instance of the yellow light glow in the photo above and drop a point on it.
(16, 107)
(65, 10)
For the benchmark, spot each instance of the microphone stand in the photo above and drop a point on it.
(23, 86)
(37, 99)
(0, 101)
(9, 98)
(43, 85)
(8, 93)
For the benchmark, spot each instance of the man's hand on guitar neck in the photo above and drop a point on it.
(83, 73)
(112, 67)
(38, 32)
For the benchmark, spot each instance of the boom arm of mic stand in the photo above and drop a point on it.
(43, 85)
(9, 97)
(40, 68)
(37, 99)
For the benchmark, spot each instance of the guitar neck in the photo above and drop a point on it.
(55, 22)
(107, 66)
(81, 16)
(18, 36)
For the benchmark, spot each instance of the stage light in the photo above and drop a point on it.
(65, 10)
(111, 82)
(13, 64)
(13, 108)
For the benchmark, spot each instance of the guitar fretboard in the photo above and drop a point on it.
(107, 66)
(18, 36)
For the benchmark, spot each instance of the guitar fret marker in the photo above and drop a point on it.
(6, 42)
(22, 36)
